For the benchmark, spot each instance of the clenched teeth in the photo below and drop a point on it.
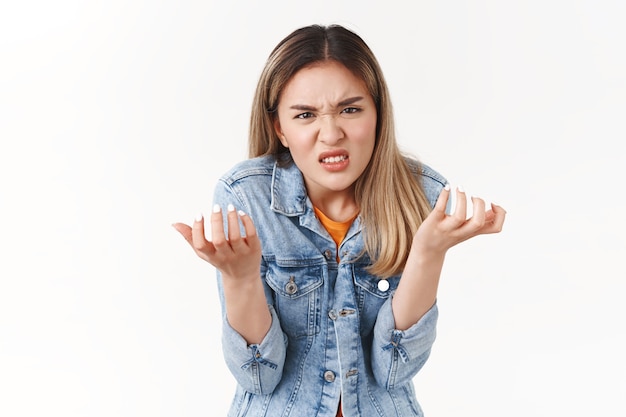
(334, 159)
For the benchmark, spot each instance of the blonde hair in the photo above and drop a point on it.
(389, 194)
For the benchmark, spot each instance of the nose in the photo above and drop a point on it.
(330, 131)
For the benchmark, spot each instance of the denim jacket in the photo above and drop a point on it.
(332, 334)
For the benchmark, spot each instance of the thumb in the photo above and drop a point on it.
(184, 230)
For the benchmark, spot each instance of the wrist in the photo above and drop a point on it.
(241, 285)
(424, 257)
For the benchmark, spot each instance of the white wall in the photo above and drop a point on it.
(117, 117)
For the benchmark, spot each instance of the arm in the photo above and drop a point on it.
(417, 290)
(406, 325)
(252, 340)
(238, 260)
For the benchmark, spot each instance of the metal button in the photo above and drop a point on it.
(383, 285)
(329, 376)
(291, 287)
(328, 254)
(332, 314)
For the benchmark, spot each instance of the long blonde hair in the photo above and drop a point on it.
(390, 197)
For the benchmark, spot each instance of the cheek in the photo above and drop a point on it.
(365, 132)
(300, 145)
(298, 135)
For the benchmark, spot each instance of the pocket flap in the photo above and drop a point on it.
(293, 279)
(371, 283)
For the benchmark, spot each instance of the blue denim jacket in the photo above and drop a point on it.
(332, 332)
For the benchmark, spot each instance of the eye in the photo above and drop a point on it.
(305, 115)
(351, 110)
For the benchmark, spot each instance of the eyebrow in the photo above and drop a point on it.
(342, 103)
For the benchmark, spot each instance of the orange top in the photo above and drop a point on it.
(337, 231)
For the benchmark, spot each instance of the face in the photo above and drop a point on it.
(327, 119)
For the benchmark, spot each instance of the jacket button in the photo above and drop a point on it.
(329, 376)
(291, 287)
(383, 285)
(328, 254)
(332, 314)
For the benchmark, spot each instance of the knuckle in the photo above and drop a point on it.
(220, 243)
(476, 224)
(457, 220)
(199, 246)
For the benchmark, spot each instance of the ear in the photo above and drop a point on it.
(279, 132)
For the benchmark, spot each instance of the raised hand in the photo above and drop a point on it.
(440, 231)
(238, 258)
(235, 256)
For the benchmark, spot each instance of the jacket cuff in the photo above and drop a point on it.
(410, 343)
(256, 367)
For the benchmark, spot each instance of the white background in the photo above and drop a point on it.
(117, 117)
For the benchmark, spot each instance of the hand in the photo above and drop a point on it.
(235, 257)
(439, 231)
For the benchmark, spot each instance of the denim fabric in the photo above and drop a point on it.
(332, 332)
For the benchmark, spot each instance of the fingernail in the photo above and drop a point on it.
(230, 207)
(241, 213)
(461, 189)
(216, 208)
(199, 217)
(447, 187)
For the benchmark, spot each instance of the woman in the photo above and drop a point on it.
(329, 255)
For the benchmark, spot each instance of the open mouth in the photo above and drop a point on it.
(333, 159)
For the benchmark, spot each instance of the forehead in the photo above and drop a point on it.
(327, 79)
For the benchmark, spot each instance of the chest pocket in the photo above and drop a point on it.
(371, 293)
(297, 296)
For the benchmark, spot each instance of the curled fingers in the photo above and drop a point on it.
(442, 201)
(497, 221)
(252, 239)
(458, 217)
(218, 236)
(477, 221)
(236, 242)
(198, 241)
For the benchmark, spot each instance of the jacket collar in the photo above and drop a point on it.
(288, 191)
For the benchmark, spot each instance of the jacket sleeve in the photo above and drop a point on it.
(398, 355)
(257, 368)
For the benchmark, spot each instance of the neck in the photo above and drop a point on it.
(337, 206)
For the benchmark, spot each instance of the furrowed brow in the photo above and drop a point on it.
(349, 101)
(346, 102)
(302, 107)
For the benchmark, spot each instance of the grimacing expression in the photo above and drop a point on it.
(327, 120)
